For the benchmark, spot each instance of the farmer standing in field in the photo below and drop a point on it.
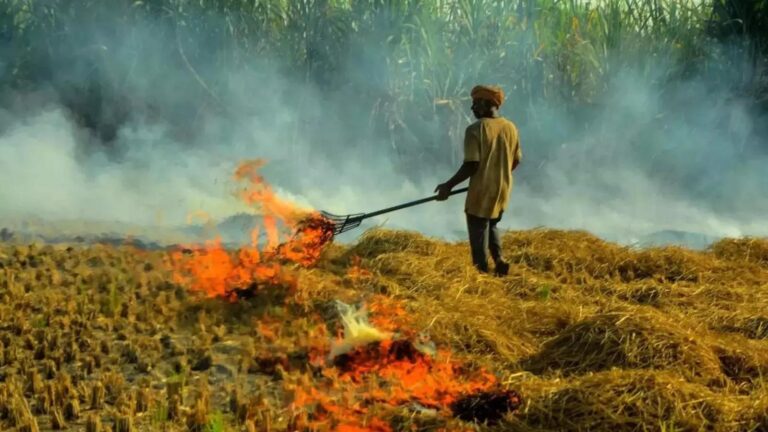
(491, 152)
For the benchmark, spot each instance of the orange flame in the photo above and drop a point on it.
(356, 270)
(390, 374)
(216, 272)
(412, 375)
(388, 314)
(258, 192)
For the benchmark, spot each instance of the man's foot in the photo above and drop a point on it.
(502, 268)
(482, 269)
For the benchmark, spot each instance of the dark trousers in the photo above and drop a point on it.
(484, 236)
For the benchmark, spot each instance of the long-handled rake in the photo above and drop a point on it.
(345, 223)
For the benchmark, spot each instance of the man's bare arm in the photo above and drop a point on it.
(465, 171)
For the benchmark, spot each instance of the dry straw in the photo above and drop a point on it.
(595, 336)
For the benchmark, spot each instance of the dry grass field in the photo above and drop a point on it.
(591, 335)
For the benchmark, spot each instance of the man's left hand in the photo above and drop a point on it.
(443, 191)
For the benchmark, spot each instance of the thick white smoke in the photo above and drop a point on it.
(651, 161)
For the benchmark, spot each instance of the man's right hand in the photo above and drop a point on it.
(443, 191)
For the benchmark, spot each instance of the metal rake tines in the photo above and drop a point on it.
(343, 223)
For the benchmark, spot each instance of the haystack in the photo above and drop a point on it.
(744, 362)
(377, 242)
(572, 255)
(752, 250)
(634, 338)
(667, 264)
(579, 257)
(628, 401)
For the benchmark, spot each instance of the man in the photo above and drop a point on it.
(491, 152)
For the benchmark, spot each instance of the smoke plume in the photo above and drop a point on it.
(686, 156)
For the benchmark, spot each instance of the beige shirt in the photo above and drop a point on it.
(495, 144)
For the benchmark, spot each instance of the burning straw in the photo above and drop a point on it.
(218, 272)
(370, 371)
